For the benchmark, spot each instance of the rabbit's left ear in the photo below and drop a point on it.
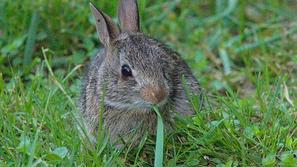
(106, 28)
(129, 15)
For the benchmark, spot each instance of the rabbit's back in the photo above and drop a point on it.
(90, 93)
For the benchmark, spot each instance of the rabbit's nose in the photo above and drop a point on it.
(153, 94)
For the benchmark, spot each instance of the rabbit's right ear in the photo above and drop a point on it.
(106, 28)
(129, 15)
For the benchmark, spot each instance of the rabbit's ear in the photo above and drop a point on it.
(106, 28)
(129, 15)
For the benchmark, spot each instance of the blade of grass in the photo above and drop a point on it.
(33, 147)
(1, 82)
(159, 139)
(274, 95)
(141, 144)
(226, 61)
(101, 139)
(31, 40)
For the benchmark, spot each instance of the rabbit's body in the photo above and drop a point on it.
(131, 73)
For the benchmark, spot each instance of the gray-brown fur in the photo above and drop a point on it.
(152, 63)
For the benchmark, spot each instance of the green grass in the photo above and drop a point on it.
(244, 54)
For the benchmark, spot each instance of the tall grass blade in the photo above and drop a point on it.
(33, 147)
(30, 43)
(159, 140)
(226, 61)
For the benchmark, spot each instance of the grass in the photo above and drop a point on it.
(159, 139)
(243, 53)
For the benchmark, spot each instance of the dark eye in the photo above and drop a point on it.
(126, 71)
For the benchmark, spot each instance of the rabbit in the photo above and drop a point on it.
(131, 73)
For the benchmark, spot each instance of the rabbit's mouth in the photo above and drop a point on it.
(145, 104)
(135, 105)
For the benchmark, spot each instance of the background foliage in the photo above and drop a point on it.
(243, 52)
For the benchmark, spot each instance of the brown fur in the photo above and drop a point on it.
(155, 67)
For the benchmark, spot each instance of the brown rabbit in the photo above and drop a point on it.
(133, 71)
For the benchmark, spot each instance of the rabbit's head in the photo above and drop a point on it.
(136, 67)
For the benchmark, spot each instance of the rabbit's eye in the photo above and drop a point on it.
(126, 71)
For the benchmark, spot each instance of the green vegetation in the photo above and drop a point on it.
(244, 53)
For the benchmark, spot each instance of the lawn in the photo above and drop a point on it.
(243, 53)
